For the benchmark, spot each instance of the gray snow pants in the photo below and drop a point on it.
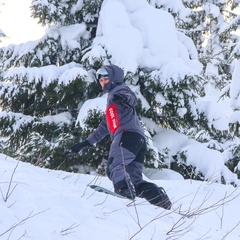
(126, 157)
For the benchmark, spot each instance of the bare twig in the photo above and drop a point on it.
(95, 179)
(224, 237)
(182, 226)
(200, 210)
(137, 220)
(69, 230)
(161, 215)
(15, 225)
(10, 189)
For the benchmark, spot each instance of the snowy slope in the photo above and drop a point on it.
(45, 204)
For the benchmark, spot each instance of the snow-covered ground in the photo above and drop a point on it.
(39, 204)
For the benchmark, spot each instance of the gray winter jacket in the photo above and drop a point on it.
(119, 117)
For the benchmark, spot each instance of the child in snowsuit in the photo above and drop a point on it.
(127, 151)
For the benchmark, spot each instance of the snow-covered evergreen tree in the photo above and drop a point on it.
(46, 82)
(218, 47)
(212, 25)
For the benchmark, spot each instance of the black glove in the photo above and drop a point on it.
(80, 146)
(119, 98)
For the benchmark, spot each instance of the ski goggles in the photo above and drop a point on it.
(102, 73)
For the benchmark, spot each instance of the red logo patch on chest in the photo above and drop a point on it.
(112, 118)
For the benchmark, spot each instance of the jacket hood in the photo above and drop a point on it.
(115, 75)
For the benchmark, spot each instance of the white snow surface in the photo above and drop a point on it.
(39, 204)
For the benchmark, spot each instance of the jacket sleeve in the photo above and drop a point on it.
(131, 98)
(99, 133)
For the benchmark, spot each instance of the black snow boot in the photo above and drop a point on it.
(154, 194)
(125, 188)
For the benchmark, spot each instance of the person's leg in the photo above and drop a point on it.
(118, 174)
(119, 157)
(150, 191)
(123, 152)
(135, 168)
(153, 194)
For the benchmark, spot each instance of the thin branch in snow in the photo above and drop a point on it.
(10, 189)
(21, 222)
(95, 179)
(224, 237)
(69, 230)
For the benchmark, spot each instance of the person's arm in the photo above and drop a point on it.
(125, 97)
(99, 133)
(95, 137)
